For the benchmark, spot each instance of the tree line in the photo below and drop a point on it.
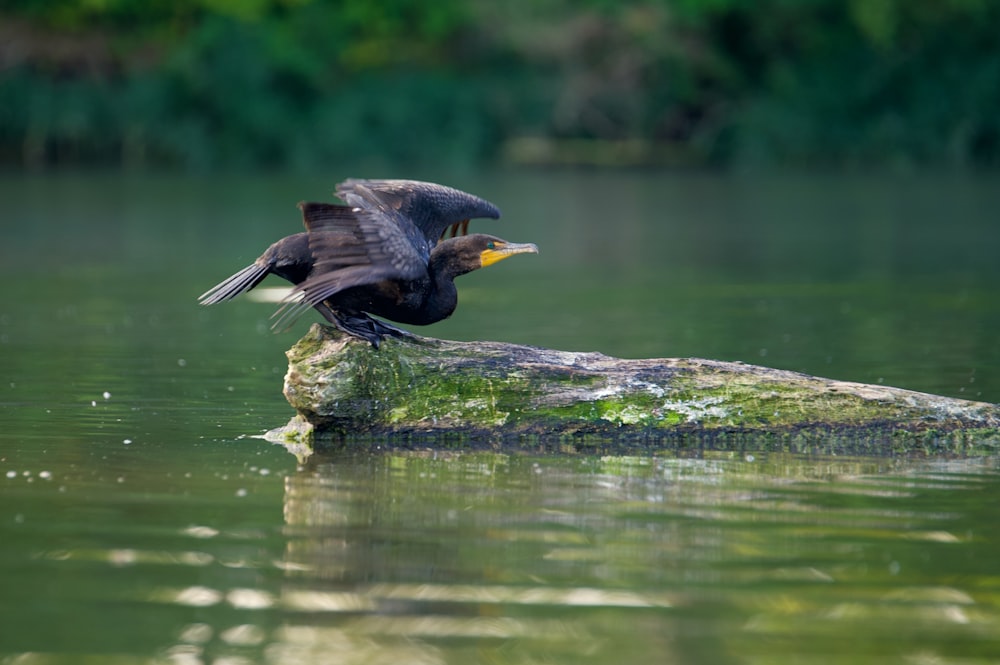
(205, 84)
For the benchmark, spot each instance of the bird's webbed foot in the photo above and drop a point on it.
(359, 324)
(387, 330)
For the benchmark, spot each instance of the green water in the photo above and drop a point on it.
(142, 520)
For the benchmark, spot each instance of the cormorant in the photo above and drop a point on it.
(383, 254)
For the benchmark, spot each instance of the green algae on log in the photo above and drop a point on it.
(421, 390)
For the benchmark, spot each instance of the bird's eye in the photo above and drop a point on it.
(491, 245)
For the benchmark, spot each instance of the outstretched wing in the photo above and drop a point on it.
(430, 207)
(352, 246)
(327, 217)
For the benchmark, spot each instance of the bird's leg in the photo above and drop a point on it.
(354, 324)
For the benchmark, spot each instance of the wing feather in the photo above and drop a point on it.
(353, 246)
(327, 216)
(318, 288)
(373, 234)
(429, 207)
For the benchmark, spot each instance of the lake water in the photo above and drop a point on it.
(143, 520)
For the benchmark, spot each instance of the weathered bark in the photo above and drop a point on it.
(431, 391)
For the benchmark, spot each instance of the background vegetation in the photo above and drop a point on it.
(202, 84)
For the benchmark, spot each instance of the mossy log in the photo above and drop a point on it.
(428, 391)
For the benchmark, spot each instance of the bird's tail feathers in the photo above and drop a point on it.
(233, 286)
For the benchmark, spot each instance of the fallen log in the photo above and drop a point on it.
(422, 391)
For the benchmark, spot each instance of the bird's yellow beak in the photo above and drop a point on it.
(501, 250)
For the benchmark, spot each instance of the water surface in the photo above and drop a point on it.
(143, 521)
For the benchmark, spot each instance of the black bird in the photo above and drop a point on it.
(381, 255)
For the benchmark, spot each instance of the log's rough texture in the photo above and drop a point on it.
(422, 389)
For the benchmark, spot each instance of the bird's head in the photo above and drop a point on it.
(461, 255)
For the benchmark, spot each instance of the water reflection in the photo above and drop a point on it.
(483, 557)
(621, 559)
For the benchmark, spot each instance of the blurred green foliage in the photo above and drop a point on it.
(202, 84)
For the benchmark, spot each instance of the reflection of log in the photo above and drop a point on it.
(440, 557)
(424, 388)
